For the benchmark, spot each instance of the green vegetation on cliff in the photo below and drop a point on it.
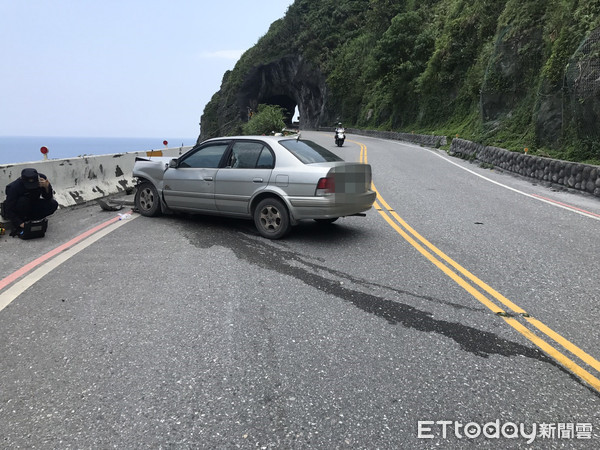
(508, 73)
(268, 119)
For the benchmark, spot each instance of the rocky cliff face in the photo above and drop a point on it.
(571, 102)
(289, 82)
(582, 88)
(505, 83)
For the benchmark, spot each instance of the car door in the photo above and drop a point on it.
(246, 172)
(191, 185)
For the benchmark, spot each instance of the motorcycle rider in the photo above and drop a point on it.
(338, 128)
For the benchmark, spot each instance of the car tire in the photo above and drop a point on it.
(271, 218)
(147, 200)
(326, 221)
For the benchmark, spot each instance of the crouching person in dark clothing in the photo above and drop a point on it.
(28, 198)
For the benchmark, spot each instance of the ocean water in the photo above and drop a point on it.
(19, 149)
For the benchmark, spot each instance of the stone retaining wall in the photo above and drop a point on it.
(583, 177)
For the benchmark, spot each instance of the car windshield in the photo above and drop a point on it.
(308, 152)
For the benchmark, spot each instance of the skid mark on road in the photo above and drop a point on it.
(259, 253)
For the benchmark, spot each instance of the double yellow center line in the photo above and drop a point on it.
(489, 297)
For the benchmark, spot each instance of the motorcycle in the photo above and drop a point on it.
(340, 136)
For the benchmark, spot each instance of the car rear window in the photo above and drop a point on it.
(308, 152)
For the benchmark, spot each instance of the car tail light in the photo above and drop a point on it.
(325, 186)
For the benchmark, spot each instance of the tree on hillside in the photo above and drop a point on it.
(268, 119)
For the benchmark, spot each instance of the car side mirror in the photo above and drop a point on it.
(173, 163)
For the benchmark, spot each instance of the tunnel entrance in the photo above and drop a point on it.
(290, 82)
(287, 104)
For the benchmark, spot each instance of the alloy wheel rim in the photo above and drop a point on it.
(270, 218)
(146, 199)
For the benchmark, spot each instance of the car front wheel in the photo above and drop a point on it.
(272, 219)
(147, 200)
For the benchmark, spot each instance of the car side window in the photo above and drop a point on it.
(308, 151)
(265, 160)
(206, 157)
(250, 155)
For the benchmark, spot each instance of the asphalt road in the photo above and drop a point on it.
(462, 298)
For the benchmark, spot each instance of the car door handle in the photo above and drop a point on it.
(257, 180)
(207, 178)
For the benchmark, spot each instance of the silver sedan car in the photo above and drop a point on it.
(276, 181)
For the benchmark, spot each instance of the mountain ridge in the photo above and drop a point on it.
(506, 73)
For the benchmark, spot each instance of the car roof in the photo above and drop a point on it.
(256, 137)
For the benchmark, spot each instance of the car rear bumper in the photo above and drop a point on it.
(330, 206)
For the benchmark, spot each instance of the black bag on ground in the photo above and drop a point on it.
(34, 229)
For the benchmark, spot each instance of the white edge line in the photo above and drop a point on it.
(29, 280)
(581, 213)
(520, 192)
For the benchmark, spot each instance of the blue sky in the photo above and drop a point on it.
(120, 68)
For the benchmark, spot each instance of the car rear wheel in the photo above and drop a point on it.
(272, 219)
(147, 200)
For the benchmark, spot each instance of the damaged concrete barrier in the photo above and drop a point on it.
(85, 178)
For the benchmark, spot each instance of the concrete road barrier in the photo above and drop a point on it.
(84, 178)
